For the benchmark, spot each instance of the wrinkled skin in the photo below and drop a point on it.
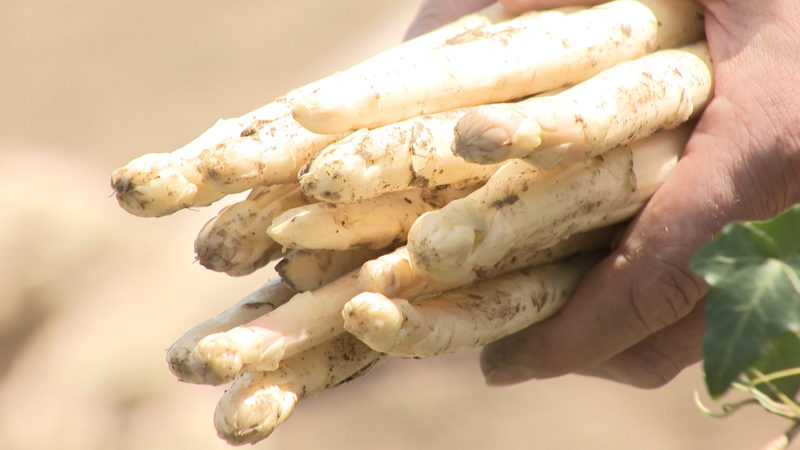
(638, 317)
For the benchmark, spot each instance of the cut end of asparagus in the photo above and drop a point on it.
(219, 357)
(374, 319)
(490, 134)
(248, 413)
(156, 184)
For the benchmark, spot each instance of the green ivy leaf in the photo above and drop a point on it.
(753, 269)
(784, 353)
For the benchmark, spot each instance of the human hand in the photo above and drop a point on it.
(638, 317)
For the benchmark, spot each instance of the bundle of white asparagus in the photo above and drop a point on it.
(439, 196)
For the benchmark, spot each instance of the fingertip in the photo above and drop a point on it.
(499, 364)
(505, 376)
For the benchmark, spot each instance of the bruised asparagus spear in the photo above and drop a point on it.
(271, 295)
(301, 269)
(236, 240)
(372, 223)
(393, 275)
(396, 157)
(158, 184)
(465, 318)
(627, 102)
(257, 402)
(498, 63)
(521, 206)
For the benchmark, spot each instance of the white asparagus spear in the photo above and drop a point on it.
(257, 402)
(300, 269)
(273, 148)
(627, 102)
(258, 310)
(502, 63)
(373, 223)
(315, 316)
(396, 157)
(233, 150)
(158, 184)
(465, 318)
(265, 299)
(393, 275)
(521, 206)
(236, 240)
(304, 321)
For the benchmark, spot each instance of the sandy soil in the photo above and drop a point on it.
(92, 297)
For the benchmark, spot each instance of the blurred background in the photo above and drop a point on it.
(92, 297)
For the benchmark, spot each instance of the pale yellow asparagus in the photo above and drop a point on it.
(271, 295)
(522, 206)
(627, 102)
(228, 157)
(372, 223)
(465, 318)
(503, 62)
(257, 402)
(301, 269)
(236, 240)
(393, 275)
(396, 157)
(307, 319)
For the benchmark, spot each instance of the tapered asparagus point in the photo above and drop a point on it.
(374, 319)
(444, 239)
(386, 277)
(248, 411)
(317, 118)
(489, 135)
(223, 248)
(236, 241)
(256, 304)
(219, 357)
(157, 184)
(179, 363)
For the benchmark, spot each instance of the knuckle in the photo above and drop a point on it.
(669, 293)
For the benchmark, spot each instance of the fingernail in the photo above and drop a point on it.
(505, 376)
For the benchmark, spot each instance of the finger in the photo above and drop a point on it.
(659, 358)
(646, 285)
(434, 13)
(519, 6)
